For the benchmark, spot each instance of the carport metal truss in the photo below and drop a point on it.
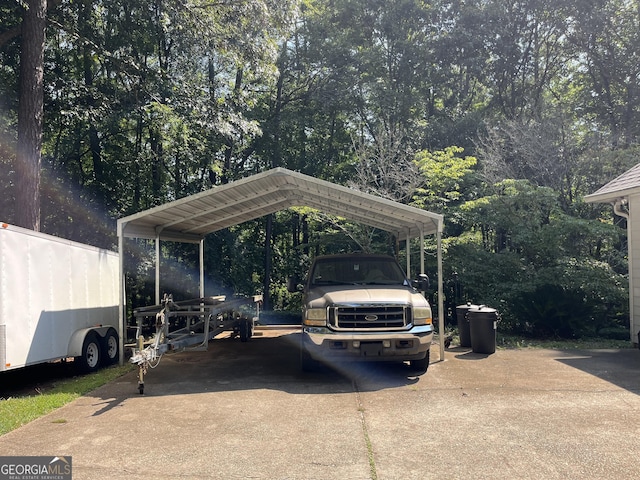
(191, 218)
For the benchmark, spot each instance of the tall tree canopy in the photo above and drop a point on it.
(113, 107)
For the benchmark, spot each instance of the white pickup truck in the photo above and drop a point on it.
(363, 307)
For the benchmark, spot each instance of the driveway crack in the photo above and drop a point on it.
(365, 432)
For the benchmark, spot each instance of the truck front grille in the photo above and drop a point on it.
(370, 317)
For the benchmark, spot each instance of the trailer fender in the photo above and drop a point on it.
(77, 339)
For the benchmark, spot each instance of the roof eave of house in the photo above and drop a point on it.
(611, 196)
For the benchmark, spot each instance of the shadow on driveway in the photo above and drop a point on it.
(271, 361)
(619, 367)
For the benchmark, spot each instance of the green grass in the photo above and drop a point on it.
(17, 411)
(508, 341)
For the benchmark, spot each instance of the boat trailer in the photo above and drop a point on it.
(190, 324)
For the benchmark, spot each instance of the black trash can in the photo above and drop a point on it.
(463, 324)
(483, 323)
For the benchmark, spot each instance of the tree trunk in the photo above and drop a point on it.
(155, 143)
(30, 112)
(229, 173)
(86, 20)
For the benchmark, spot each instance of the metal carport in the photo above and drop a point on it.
(191, 218)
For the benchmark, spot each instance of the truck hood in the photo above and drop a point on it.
(320, 297)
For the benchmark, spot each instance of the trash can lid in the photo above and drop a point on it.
(482, 308)
(468, 305)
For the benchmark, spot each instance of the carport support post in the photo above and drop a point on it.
(440, 292)
(158, 269)
(202, 268)
(421, 250)
(440, 289)
(408, 256)
(122, 306)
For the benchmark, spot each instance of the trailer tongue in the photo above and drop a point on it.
(190, 324)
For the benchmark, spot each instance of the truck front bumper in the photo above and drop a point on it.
(322, 343)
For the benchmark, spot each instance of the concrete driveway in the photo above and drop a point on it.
(245, 411)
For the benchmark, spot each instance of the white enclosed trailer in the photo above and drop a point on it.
(58, 299)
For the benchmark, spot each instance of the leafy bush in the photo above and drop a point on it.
(554, 311)
(614, 333)
(547, 273)
(567, 300)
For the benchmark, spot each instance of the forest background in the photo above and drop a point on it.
(499, 114)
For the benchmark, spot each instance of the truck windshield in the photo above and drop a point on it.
(356, 271)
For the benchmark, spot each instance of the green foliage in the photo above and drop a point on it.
(447, 177)
(547, 272)
(553, 311)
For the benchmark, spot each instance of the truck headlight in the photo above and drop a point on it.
(316, 317)
(422, 316)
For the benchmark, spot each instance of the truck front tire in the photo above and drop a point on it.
(421, 365)
(307, 363)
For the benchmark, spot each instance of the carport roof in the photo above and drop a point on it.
(189, 219)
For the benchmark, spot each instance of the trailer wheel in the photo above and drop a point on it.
(89, 361)
(245, 330)
(110, 347)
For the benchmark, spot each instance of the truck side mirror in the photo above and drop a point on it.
(292, 284)
(422, 283)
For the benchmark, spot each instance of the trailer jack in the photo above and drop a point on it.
(142, 366)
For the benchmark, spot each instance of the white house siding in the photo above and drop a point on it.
(633, 230)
